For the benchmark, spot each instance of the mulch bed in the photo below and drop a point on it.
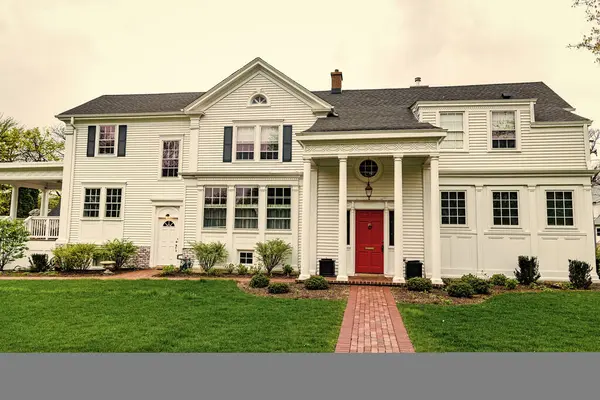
(297, 291)
(70, 274)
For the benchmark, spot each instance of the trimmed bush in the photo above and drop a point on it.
(527, 271)
(272, 253)
(209, 254)
(242, 269)
(168, 270)
(419, 284)
(119, 251)
(479, 285)
(287, 270)
(511, 284)
(448, 281)
(460, 289)
(278, 288)
(38, 262)
(498, 280)
(316, 283)
(77, 256)
(579, 274)
(259, 281)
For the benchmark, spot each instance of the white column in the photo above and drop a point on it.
(480, 214)
(233, 256)
(44, 203)
(533, 223)
(427, 215)
(262, 212)
(398, 220)
(14, 202)
(342, 274)
(306, 196)
(436, 253)
(200, 213)
(67, 185)
(386, 238)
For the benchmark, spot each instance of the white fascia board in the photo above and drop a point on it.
(173, 114)
(470, 103)
(368, 135)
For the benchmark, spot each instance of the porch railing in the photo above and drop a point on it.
(42, 227)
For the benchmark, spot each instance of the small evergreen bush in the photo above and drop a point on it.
(242, 269)
(278, 288)
(498, 280)
(460, 289)
(255, 269)
(579, 274)
(316, 283)
(259, 281)
(168, 270)
(38, 262)
(214, 272)
(230, 268)
(448, 281)
(528, 270)
(287, 270)
(479, 285)
(511, 284)
(419, 284)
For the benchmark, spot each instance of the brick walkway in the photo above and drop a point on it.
(372, 323)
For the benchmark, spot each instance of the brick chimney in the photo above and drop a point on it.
(336, 82)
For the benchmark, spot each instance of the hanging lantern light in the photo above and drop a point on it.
(368, 190)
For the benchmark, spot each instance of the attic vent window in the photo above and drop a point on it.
(506, 95)
(259, 99)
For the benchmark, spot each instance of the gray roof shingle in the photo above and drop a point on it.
(369, 109)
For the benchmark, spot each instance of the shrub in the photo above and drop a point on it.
(119, 251)
(278, 288)
(242, 269)
(76, 256)
(214, 272)
(287, 270)
(448, 281)
(511, 284)
(209, 254)
(259, 281)
(255, 269)
(272, 253)
(419, 284)
(13, 241)
(479, 285)
(460, 289)
(39, 263)
(566, 285)
(498, 280)
(230, 268)
(528, 270)
(316, 283)
(579, 274)
(168, 270)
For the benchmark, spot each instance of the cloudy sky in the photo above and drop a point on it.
(57, 54)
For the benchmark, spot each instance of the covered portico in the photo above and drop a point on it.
(334, 151)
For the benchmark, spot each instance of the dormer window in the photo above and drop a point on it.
(259, 100)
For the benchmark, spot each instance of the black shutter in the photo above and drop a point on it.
(227, 140)
(122, 140)
(91, 142)
(287, 143)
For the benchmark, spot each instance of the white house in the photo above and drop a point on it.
(463, 178)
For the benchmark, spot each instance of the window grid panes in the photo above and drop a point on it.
(170, 158)
(246, 207)
(453, 122)
(259, 99)
(246, 257)
(244, 147)
(106, 139)
(113, 203)
(215, 207)
(368, 168)
(269, 142)
(279, 208)
(505, 208)
(504, 134)
(454, 207)
(559, 208)
(91, 203)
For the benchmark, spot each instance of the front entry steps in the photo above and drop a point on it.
(366, 280)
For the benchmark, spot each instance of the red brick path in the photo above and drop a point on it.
(372, 323)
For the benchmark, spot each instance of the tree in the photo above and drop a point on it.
(590, 41)
(272, 253)
(13, 241)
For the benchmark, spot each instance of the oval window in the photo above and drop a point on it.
(368, 168)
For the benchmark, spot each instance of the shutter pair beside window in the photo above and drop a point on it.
(91, 141)
(228, 143)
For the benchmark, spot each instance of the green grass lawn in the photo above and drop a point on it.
(551, 322)
(160, 316)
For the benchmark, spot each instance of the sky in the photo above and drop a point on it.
(55, 55)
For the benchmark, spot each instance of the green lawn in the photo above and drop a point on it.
(160, 316)
(551, 322)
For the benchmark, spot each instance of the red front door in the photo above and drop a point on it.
(369, 242)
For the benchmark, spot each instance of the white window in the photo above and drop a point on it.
(453, 122)
(113, 203)
(246, 257)
(505, 208)
(454, 207)
(269, 142)
(246, 207)
(279, 208)
(170, 158)
(107, 139)
(91, 203)
(215, 207)
(504, 134)
(597, 231)
(244, 146)
(559, 208)
(259, 99)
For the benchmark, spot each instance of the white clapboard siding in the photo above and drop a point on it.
(139, 169)
(191, 215)
(283, 106)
